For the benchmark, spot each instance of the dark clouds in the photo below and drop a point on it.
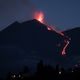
(15, 10)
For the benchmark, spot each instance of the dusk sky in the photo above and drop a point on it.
(64, 14)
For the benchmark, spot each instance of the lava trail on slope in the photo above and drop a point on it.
(40, 17)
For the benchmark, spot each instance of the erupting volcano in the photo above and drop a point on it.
(40, 17)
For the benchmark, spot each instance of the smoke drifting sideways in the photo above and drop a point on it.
(15, 10)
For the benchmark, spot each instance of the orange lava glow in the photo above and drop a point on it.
(39, 16)
(50, 28)
(65, 47)
(66, 42)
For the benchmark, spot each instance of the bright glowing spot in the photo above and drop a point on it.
(52, 28)
(13, 76)
(19, 75)
(49, 28)
(59, 72)
(39, 16)
(65, 47)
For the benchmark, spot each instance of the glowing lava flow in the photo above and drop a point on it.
(65, 47)
(53, 29)
(39, 16)
(63, 52)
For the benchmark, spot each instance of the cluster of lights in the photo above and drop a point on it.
(60, 72)
(15, 76)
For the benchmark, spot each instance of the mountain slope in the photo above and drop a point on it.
(74, 46)
(31, 35)
(29, 42)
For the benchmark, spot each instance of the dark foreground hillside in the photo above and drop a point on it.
(46, 72)
(29, 42)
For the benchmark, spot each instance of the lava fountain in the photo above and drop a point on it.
(39, 16)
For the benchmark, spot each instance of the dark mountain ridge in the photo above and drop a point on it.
(32, 34)
(29, 42)
(74, 35)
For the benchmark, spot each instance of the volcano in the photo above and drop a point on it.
(32, 36)
(29, 42)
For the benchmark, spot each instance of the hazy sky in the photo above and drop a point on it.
(64, 14)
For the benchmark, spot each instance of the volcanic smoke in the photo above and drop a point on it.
(39, 15)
